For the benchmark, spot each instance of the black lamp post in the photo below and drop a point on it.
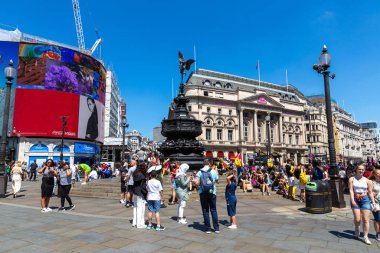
(10, 73)
(64, 128)
(124, 125)
(267, 119)
(335, 182)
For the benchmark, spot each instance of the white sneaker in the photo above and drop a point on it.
(83, 183)
(366, 240)
(43, 210)
(233, 226)
(182, 221)
(48, 209)
(122, 201)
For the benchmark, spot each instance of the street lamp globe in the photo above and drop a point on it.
(267, 118)
(325, 57)
(10, 71)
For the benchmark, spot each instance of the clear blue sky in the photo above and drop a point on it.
(142, 38)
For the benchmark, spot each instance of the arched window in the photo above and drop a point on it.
(58, 148)
(39, 148)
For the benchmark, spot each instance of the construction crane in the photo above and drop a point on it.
(79, 29)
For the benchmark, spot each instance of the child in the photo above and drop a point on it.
(231, 199)
(154, 198)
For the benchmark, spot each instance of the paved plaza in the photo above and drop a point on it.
(103, 225)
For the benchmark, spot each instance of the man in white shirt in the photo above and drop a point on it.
(129, 179)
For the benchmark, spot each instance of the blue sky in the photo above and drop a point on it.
(142, 38)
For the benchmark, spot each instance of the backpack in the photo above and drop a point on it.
(207, 183)
(318, 174)
(303, 177)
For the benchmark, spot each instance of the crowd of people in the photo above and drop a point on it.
(141, 182)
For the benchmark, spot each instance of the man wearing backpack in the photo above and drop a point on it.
(317, 171)
(207, 193)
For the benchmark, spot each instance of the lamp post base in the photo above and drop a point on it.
(3, 185)
(337, 193)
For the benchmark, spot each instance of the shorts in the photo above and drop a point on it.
(376, 216)
(231, 207)
(154, 206)
(364, 204)
(174, 185)
(123, 188)
(130, 188)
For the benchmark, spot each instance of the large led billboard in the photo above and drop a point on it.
(51, 82)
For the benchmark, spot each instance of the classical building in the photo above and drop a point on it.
(370, 145)
(237, 113)
(316, 133)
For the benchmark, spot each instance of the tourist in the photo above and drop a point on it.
(25, 170)
(361, 199)
(86, 169)
(231, 199)
(207, 194)
(375, 177)
(182, 182)
(16, 173)
(155, 195)
(139, 195)
(174, 167)
(123, 184)
(64, 174)
(129, 180)
(48, 173)
(33, 171)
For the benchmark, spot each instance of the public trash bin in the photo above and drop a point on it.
(318, 197)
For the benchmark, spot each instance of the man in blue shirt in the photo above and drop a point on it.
(207, 177)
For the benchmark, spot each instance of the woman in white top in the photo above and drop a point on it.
(375, 177)
(361, 198)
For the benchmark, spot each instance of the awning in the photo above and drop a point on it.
(220, 154)
(209, 154)
(231, 155)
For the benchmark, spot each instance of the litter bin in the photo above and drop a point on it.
(318, 197)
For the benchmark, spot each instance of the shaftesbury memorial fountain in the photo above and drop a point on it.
(181, 130)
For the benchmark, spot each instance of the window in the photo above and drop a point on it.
(245, 114)
(230, 135)
(208, 109)
(206, 83)
(219, 110)
(290, 139)
(219, 134)
(307, 127)
(245, 130)
(283, 138)
(297, 139)
(208, 134)
(205, 93)
(218, 85)
(189, 108)
(230, 112)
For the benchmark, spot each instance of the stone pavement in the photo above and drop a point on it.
(103, 225)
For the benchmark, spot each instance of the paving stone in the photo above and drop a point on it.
(196, 247)
(316, 249)
(118, 243)
(175, 243)
(88, 248)
(289, 245)
(12, 244)
(32, 249)
(141, 247)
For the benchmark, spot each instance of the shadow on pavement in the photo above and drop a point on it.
(348, 234)
(197, 226)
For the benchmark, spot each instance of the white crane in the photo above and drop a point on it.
(79, 28)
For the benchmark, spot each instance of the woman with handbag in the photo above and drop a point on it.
(48, 171)
(375, 177)
(361, 199)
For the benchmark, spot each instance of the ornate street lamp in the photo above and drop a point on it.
(10, 73)
(335, 182)
(124, 125)
(267, 119)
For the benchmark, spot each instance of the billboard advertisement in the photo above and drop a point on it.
(51, 82)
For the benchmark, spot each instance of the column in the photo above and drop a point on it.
(280, 129)
(255, 132)
(241, 136)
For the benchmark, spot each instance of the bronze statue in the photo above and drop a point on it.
(184, 65)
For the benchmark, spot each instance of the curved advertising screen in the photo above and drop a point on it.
(52, 82)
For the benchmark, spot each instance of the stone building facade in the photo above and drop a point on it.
(239, 114)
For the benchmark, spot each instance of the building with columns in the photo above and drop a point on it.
(245, 115)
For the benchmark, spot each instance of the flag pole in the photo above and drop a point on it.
(258, 69)
(195, 59)
(286, 77)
